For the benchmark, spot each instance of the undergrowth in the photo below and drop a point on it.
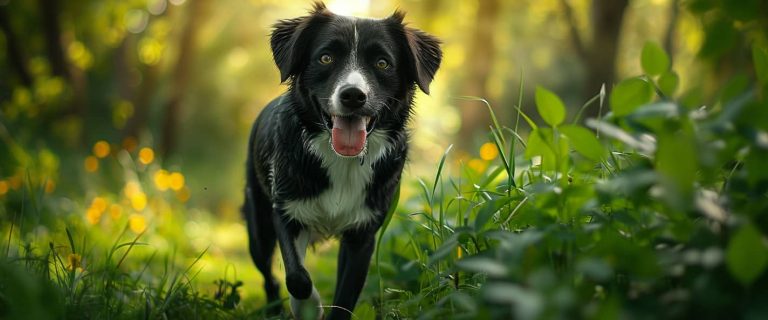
(656, 209)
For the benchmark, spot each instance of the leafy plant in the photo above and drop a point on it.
(655, 210)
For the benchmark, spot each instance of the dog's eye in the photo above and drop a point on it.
(382, 64)
(326, 59)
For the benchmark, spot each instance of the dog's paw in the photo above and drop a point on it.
(299, 284)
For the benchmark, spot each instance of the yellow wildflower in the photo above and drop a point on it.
(176, 181)
(137, 223)
(488, 151)
(101, 149)
(162, 180)
(146, 155)
(75, 261)
(91, 164)
(139, 201)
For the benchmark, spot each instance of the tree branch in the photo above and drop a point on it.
(669, 37)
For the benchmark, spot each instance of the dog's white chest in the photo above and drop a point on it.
(342, 205)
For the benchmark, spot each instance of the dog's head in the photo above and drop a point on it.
(357, 74)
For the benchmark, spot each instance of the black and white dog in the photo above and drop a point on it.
(325, 158)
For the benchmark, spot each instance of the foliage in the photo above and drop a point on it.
(669, 223)
(656, 209)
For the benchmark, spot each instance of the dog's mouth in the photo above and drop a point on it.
(349, 133)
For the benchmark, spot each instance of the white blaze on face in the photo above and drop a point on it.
(351, 77)
(349, 132)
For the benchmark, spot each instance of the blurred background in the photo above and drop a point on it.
(129, 110)
(187, 78)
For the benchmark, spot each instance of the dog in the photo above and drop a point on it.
(325, 158)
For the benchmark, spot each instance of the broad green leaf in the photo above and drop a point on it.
(463, 301)
(668, 82)
(654, 60)
(677, 162)
(584, 141)
(445, 249)
(528, 304)
(737, 85)
(760, 58)
(487, 210)
(538, 146)
(747, 255)
(653, 116)
(485, 265)
(550, 107)
(630, 94)
(596, 269)
(363, 311)
(720, 36)
(541, 142)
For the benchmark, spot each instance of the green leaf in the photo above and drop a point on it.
(536, 146)
(364, 311)
(654, 60)
(668, 82)
(584, 141)
(677, 162)
(553, 156)
(485, 265)
(445, 249)
(630, 94)
(528, 304)
(487, 210)
(747, 255)
(550, 107)
(760, 58)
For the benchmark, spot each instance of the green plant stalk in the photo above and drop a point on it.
(384, 226)
(584, 107)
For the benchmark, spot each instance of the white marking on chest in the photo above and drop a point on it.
(342, 205)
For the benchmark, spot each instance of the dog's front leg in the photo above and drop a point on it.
(354, 258)
(293, 242)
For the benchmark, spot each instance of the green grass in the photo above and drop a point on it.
(657, 211)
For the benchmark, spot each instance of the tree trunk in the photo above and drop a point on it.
(599, 57)
(142, 101)
(15, 55)
(181, 72)
(49, 15)
(607, 18)
(474, 115)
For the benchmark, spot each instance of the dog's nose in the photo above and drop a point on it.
(352, 97)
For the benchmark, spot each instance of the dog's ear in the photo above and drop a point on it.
(425, 53)
(290, 37)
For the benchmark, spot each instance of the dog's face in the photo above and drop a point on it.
(355, 74)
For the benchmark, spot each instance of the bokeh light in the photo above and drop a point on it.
(162, 180)
(91, 164)
(146, 155)
(137, 223)
(176, 181)
(101, 149)
(488, 151)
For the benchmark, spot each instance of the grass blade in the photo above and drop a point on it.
(387, 220)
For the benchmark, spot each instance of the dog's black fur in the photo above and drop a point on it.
(295, 174)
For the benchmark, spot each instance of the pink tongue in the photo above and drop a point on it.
(348, 135)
